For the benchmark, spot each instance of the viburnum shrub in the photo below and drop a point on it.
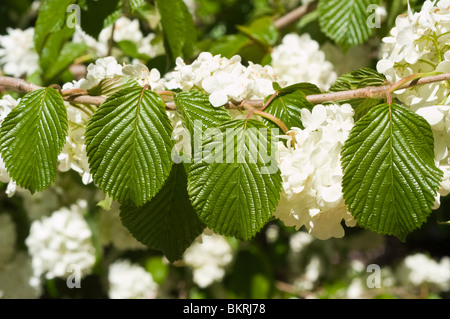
(220, 142)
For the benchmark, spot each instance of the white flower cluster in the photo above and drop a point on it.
(419, 269)
(103, 68)
(418, 44)
(61, 240)
(144, 76)
(124, 30)
(223, 79)
(311, 172)
(130, 281)
(208, 259)
(299, 59)
(108, 67)
(73, 155)
(17, 54)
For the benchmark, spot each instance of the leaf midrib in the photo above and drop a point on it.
(135, 129)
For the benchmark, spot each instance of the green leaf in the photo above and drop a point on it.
(134, 5)
(94, 17)
(357, 79)
(178, 27)
(288, 103)
(346, 22)
(195, 106)
(109, 86)
(168, 222)
(262, 30)
(130, 49)
(252, 275)
(51, 18)
(307, 19)
(128, 143)
(305, 87)
(229, 45)
(32, 136)
(51, 52)
(390, 178)
(235, 185)
(66, 57)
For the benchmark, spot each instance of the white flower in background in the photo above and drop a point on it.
(299, 241)
(223, 79)
(208, 259)
(356, 288)
(113, 232)
(7, 238)
(311, 172)
(15, 279)
(192, 6)
(419, 269)
(272, 233)
(130, 281)
(419, 44)
(17, 54)
(124, 30)
(299, 59)
(61, 240)
(310, 274)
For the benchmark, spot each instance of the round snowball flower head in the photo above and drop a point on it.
(130, 281)
(419, 269)
(299, 59)
(311, 172)
(61, 240)
(17, 54)
(208, 259)
(419, 44)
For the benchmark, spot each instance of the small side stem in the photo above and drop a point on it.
(111, 40)
(272, 118)
(413, 77)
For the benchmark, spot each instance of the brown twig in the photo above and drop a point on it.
(368, 92)
(293, 16)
